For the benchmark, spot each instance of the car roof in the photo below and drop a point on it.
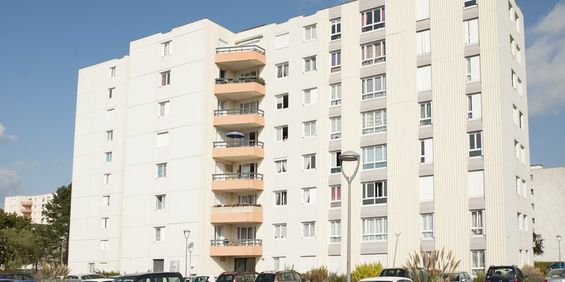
(148, 273)
(384, 278)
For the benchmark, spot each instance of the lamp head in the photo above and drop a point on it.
(559, 237)
(349, 156)
(186, 233)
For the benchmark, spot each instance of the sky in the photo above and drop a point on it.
(43, 44)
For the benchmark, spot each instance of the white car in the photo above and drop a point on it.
(386, 279)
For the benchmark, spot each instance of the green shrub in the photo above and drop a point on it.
(533, 274)
(543, 266)
(480, 277)
(319, 274)
(366, 270)
(334, 277)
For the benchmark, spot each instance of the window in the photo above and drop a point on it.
(335, 29)
(160, 202)
(309, 229)
(477, 262)
(427, 226)
(426, 151)
(426, 184)
(281, 40)
(471, 29)
(516, 83)
(335, 162)
(162, 139)
(91, 267)
(335, 128)
(111, 92)
(108, 157)
(282, 133)
(335, 231)
(469, 3)
(308, 195)
(374, 157)
(103, 245)
(106, 201)
(517, 147)
(279, 263)
(335, 196)
(104, 222)
(112, 71)
(310, 32)
(422, 9)
(373, 87)
(280, 198)
(162, 170)
(373, 122)
(525, 223)
(424, 78)
(426, 113)
(309, 128)
(282, 70)
(110, 114)
(520, 220)
(109, 135)
(477, 223)
(282, 101)
(310, 64)
(423, 45)
(280, 230)
(335, 97)
(163, 108)
(107, 178)
(475, 144)
(373, 19)
(335, 61)
(159, 233)
(473, 69)
(374, 193)
(374, 229)
(373, 53)
(280, 166)
(166, 48)
(310, 96)
(474, 109)
(165, 78)
(309, 161)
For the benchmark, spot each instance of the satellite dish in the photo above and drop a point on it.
(235, 134)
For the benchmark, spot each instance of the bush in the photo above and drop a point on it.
(334, 277)
(533, 274)
(480, 277)
(366, 270)
(543, 266)
(319, 274)
(50, 271)
(106, 273)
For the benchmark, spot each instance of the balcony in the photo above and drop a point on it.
(25, 210)
(237, 214)
(240, 58)
(241, 88)
(27, 203)
(239, 119)
(237, 182)
(245, 150)
(239, 248)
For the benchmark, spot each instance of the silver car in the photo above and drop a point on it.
(556, 275)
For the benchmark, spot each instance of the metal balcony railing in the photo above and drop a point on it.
(247, 48)
(237, 144)
(231, 112)
(243, 79)
(236, 176)
(240, 242)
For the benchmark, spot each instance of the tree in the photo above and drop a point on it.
(15, 240)
(57, 212)
(538, 244)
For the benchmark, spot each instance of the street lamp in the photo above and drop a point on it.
(349, 156)
(559, 246)
(186, 235)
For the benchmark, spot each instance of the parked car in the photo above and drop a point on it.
(504, 273)
(555, 275)
(17, 277)
(386, 279)
(402, 272)
(557, 265)
(88, 277)
(204, 278)
(151, 276)
(279, 276)
(458, 277)
(237, 277)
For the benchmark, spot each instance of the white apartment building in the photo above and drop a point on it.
(236, 137)
(28, 206)
(548, 191)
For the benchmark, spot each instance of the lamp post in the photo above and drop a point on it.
(186, 235)
(349, 156)
(559, 246)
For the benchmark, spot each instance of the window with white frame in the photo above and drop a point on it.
(335, 61)
(520, 219)
(165, 78)
(423, 45)
(426, 151)
(335, 231)
(335, 196)
(310, 96)
(282, 70)
(112, 71)
(310, 32)
(477, 262)
(470, 3)
(162, 139)
(426, 113)
(374, 192)
(374, 157)
(373, 19)
(475, 144)
(373, 87)
(471, 28)
(309, 161)
(335, 97)
(309, 128)
(428, 226)
(108, 157)
(104, 222)
(280, 230)
(280, 166)
(477, 223)
(166, 48)
(518, 185)
(109, 135)
(309, 229)
(282, 133)
(160, 202)
(282, 40)
(335, 162)
(279, 263)
(374, 229)
(373, 53)
(161, 170)
(280, 198)
(111, 92)
(520, 120)
(525, 223)
(474, 106)
(308, 195)
(426, 188)
(373, 122)
(103, 245)
(159, 233)
(163, 108)
(473, 69)
(310, 64)
(282, 101)
(422, 9)
(107, 178)
(424, 78)
(106, 200)
(335, 128)
(335, 29)
(517, 149)
(110, 114)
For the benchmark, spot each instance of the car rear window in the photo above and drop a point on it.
(265, 277)
(502, 272)
(393, 273)
(558, 273)
(225, 278)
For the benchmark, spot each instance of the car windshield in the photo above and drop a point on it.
(92, 276)
(393, 272)
(559, 273)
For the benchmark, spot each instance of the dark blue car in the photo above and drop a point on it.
(19, 277)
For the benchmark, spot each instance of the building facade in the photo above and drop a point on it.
(237, 136)
(28, 206)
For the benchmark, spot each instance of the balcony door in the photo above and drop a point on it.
(246, 235)
(244, 264)
(247, 170)
(248, 107)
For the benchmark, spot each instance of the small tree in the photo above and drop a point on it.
(58, 214)
(366, 270)
(533, 274)
(436, 263)
(538, 244)
(319, 274)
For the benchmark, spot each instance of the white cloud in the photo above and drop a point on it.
(546, 63)
(4, 137)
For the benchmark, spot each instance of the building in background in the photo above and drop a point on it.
(28, 206)
(237, 136)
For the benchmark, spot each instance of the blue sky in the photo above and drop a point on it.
(44, 43)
